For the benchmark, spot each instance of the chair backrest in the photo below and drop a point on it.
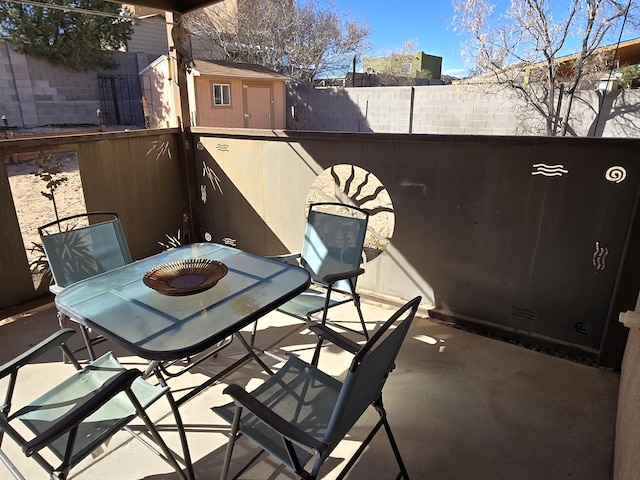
(76, 253)
(369, 370)
(333, 240)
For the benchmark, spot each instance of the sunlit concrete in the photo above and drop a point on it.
(462, 406)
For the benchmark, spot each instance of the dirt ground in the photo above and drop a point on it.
(33, 208)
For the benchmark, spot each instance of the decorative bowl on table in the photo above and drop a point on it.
(185, 277)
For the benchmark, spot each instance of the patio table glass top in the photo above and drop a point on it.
(154, 326)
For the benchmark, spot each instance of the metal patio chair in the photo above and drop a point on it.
(75, 253)
(71, 421)
(300, 414)
(332, 254)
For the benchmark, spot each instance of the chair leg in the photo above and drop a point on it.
(11, 467)
(356, 301)
(233, 435)
(394, 446)
(62, 323)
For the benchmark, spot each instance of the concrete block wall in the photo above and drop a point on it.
(454, 109)
(35, 92)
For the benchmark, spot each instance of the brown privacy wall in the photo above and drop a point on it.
(134, 173)
(480, 231)
(139, 177)
(15, 280)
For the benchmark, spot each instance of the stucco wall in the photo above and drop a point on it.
(452, 109)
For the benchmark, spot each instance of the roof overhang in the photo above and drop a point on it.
(176, 6)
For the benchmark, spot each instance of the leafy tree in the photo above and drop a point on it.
(523, 47)
(300, 39)
(73, 39)
(629, 76)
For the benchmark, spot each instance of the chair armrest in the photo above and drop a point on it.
(56, 339)
(245, 400)
(334, 337)
(332, 278)
(82, 410)
(287, 257)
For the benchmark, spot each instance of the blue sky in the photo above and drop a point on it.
(428, 22)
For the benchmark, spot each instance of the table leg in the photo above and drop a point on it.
(179, 426)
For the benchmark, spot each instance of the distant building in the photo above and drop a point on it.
(416, 65)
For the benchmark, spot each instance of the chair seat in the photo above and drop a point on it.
(312, 301)
(43, 412)
(299, 393)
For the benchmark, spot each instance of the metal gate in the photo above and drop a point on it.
(121, 100)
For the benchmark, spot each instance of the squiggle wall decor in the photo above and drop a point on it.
(549, 170)
(222, 147)
(599, 257)
(203, 193)
(230, 242)
(616, 174)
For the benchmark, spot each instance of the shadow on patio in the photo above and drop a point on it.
(462, 406)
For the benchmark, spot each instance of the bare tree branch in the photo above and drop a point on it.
(300, 39)
(521, 48)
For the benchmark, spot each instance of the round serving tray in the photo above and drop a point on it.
(185, 277)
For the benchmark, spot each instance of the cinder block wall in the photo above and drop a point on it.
(35, 92)
(453, 109)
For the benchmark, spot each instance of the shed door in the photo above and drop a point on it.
(258, 105)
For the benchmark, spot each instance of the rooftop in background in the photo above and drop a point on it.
(236, 70)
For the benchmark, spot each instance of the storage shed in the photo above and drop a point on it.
(221, 94)
(238, 95)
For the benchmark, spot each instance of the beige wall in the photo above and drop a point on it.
(627, 439)
(207, 115)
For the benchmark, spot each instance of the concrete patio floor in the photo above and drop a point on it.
(461, 406)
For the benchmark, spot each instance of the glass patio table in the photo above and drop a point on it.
(160, 328)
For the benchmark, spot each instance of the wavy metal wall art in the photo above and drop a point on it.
(599, 257)
(549, 170)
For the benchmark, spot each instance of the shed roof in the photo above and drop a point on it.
(237, 70)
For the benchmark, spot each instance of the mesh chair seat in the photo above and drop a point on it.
(46, 410)
(302, 395)
(300, 412)
(70, 421)
(312, 301)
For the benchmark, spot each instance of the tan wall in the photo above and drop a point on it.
(207, 115)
